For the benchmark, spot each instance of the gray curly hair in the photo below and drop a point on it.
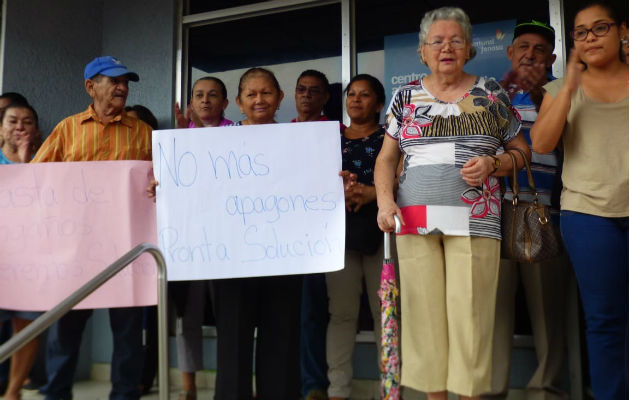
(446, 13)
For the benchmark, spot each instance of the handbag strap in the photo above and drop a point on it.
(530, 176)
(514, 178)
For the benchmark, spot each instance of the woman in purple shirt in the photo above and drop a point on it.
(208, 101)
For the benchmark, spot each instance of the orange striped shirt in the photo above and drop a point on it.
(83, 137)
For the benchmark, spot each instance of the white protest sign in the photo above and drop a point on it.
(250, 200)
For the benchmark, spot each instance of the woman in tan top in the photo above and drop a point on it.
(588, 111)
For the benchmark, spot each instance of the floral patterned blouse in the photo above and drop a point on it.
(359, 155)
(437, 139)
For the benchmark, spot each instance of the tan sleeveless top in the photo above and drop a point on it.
(595, 142)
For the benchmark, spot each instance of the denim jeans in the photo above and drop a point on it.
(64, 342)
(598, 248)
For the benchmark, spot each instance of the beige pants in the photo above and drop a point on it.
(448, 292)
(344, 293)
(544, 285)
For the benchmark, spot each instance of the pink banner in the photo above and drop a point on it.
(63, 223)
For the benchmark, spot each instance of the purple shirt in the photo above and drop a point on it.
(224, 122)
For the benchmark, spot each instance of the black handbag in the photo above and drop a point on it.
(528, 233)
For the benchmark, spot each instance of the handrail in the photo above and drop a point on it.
(48, 318)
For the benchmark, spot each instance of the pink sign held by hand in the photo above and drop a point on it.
(63, 223)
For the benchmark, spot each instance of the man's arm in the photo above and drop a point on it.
(529, 79)
(52, 148)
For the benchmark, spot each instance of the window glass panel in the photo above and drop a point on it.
(287, 43)
(404, 19)
(379, 18)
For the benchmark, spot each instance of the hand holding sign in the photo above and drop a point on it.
(250, 201)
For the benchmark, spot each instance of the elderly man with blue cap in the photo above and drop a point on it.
(102, 132)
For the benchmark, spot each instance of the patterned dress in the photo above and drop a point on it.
(359, 155)
(437, 139)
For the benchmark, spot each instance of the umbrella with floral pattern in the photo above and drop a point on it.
(388, 294)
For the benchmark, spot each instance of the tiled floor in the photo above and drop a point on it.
(95, 390)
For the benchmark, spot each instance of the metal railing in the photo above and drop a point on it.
(48, 318)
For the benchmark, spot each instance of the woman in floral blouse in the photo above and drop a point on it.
(360, 144)
(448, 128)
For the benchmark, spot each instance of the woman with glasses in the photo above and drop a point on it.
(448, 128)
(587, 111)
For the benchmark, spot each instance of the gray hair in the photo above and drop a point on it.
(450, 14)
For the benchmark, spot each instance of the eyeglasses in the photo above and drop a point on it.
(456, 44)
(599, 29)
(313, 91)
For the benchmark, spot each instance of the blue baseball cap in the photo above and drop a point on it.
(108, 66)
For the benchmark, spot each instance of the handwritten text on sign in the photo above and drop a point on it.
(63, 223)
(250, 200)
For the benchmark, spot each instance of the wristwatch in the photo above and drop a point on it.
(497, 164)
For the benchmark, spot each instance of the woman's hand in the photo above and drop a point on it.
(349, 179)
(574, 72)
(182, 120)
(384, 177)
(477, 169)
(24, 148)
(359, 195)
(385, 217)
(151, 189)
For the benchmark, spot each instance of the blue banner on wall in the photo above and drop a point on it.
(403, 65)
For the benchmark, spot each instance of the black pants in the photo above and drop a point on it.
(272, 304)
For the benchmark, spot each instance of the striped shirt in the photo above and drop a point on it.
(437, 139)
(83, 137)
(545, 167)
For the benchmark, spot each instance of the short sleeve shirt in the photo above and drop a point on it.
(359, 155)
(83, 137)
(545, 167)
(595, 143)
(224, 122)
(4, 160)
(437, 139)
